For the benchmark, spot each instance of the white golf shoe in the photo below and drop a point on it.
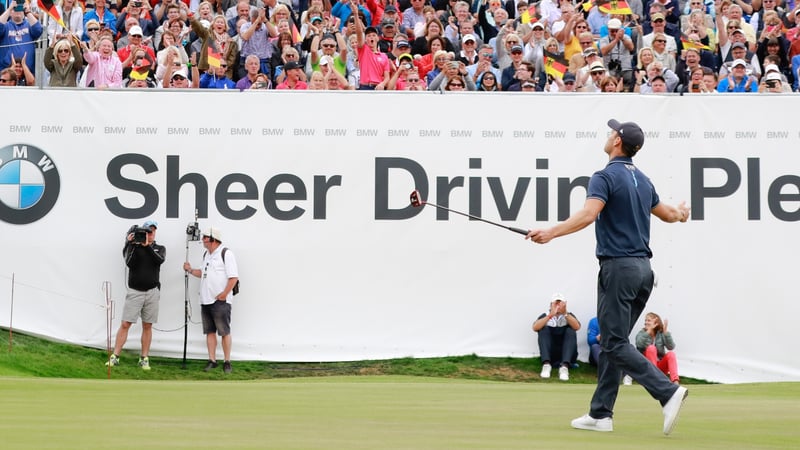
(546, 369)
(587, 422)
(672, 408)
(563, 373)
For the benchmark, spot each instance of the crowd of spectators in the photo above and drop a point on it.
(642, 46)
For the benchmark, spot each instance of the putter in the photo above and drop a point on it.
(416, 202)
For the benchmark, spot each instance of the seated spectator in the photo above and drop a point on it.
(770, 66)
(293, 71)
(8, 78)
(215, 38)
(695, 84)
(593, 341)
(422, 44)
(454, 70)
(24, 75)
(772, 83)
(252, 67)
(739, 52)
(660, 52)
(523, 74)
(71, 14)
(488, 82)
(179, 79)
(316, 82)
(597, 72)
(428, 61)
(262, 82)
(102, 15)
(217, 78)
(656, 343)
(610, 84)
(710, 79)
(64, 61)
(738, 80)
(455, 84)
(658, 85)
(655, 69)
(484, 65)
(558, 341)
(566, 83)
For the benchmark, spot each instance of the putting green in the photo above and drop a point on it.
(378, 413)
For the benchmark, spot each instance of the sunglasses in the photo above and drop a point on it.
(328, 45)
(487, 55)
(659, 40)
(413, 80)
(224, 66)
(93, 29)
(658, 21)
(488, 79)
(587, 43)
(456, 85)
(597, 73)
(581, 27)
(178, 77)
(64, 50)
(5, 80)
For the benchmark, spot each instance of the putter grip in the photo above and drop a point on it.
(519, 230)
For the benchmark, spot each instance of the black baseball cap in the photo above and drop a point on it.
(630, 133)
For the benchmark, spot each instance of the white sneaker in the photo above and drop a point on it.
(563, 373)
(546, 368)
(627, 380)
(672, 408)
(587, 422)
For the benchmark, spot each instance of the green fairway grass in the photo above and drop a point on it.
(60, 396)
(383, 412)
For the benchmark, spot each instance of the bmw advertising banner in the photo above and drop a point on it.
(311, 192)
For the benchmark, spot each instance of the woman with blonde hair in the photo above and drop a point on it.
(64, 61)
(216, 37)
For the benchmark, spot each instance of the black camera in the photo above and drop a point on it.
(139, 234)
(614, 66)
(772, 84)
(193, 232)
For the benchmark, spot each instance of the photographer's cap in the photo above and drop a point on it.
(213, 233)
(774, 76)
(558, 297)
(630, 133)
(150, 223)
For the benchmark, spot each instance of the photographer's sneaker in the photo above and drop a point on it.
(226, 367)
(587, 422)
(144, 363)
(627, 380)
(112, 361)
(672, 408)
(210, 365)
(546, 369)
(563, 373)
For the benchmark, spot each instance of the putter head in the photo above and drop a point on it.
(415, 201)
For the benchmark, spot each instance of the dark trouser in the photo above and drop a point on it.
(558, 345)
(623, 287)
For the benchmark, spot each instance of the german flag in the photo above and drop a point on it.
(554, 65)
(529, 16)
(50, 8)
(616, 7)
(692, 44)
(214, 57)
(141, 70)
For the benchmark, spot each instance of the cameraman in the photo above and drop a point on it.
(144, 259)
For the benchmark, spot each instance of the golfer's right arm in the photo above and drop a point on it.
(576, 222)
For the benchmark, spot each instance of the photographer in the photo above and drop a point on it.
(617, 51)
(144, 258)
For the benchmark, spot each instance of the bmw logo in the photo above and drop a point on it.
(29, 184)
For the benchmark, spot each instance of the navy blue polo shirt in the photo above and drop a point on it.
(623, 226)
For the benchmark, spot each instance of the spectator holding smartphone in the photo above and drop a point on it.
(102, 15)
(19, 30)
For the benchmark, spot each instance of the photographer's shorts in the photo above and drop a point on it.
(141, 303)
(216, 318)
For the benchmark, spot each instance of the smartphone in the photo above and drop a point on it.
(771, 28)
(19, 7)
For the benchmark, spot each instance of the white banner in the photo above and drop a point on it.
(311, 191)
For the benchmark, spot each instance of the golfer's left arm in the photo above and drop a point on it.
(576, 222)
(670, 213)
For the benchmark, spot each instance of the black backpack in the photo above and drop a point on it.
(235, 289)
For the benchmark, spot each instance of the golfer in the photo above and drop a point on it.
(626, 198)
